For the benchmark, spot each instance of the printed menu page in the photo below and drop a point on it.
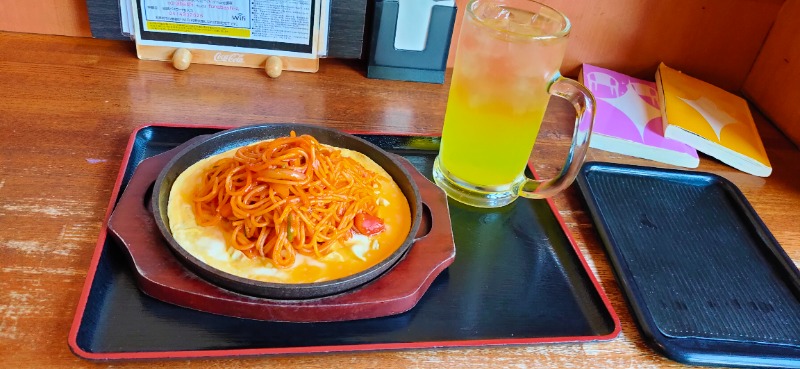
(282, 25)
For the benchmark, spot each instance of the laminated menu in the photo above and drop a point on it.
(628, 119)
(712, 120)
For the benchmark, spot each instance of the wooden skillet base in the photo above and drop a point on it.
(160, 275)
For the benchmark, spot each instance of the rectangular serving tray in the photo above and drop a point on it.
(707, 282)
(518, 278)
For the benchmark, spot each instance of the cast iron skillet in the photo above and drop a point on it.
(229, 139)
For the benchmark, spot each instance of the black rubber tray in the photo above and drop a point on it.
(707, 282)
(517, 279)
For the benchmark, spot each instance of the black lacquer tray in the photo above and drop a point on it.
(707, 282)
(518, 278)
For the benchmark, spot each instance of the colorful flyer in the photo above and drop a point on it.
(628, 119)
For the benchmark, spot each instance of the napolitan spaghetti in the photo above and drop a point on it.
(210, 244)
(277, 198)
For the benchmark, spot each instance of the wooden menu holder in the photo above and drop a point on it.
(182, 58)
(182, 35)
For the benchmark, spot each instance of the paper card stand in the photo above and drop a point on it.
(186, 49)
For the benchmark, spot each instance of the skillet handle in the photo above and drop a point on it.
(435, 226)
(133, 207)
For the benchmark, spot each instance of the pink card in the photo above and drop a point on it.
(628, 119)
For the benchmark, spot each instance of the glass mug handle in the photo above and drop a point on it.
(583, 102)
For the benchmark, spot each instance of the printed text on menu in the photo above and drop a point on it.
(287, 21)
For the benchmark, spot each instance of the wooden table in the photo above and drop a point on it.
(68, 106)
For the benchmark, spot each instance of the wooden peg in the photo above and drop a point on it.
(181, 59)
(274, 66)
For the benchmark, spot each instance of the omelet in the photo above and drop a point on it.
(358, 253)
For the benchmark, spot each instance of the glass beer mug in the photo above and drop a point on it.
(506, 68)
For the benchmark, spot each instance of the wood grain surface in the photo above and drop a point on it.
(68, 106)
(714, 40)
(53, 17)
(774, 82)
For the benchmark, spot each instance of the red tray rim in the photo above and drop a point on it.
(87, 286)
